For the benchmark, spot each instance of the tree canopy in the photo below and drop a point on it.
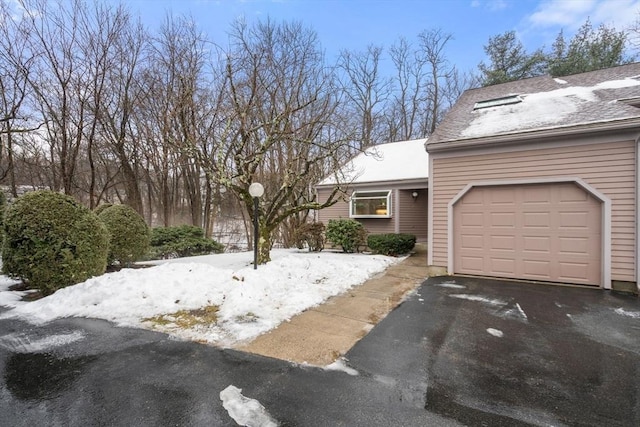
(589, 49)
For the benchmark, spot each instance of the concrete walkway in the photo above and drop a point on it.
(322, 334)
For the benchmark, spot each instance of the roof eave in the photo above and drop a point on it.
(404, 183)
(526, 136)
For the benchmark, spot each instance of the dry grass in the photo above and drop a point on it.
(186, 319)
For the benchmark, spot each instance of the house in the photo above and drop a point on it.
(387, 188)
(538, 179)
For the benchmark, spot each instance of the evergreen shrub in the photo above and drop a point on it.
(346, 233)
(181, 241)
(52, 241)
(129, 234)
(391, 244)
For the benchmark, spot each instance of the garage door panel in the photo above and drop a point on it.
(503, 242)
(472, 264)
(548, 232)
(536, 244)
(536, 220)
(503, 266)
(472, 241)
(502, 219)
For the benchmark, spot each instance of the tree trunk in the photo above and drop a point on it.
(264, 245)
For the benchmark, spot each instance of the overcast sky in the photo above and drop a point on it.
(353, 24)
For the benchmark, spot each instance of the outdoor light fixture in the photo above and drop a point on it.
(414, 195)
(256, 190)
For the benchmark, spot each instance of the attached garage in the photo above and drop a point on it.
(546, 232)
(538, 179)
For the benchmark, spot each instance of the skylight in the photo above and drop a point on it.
(497, 102)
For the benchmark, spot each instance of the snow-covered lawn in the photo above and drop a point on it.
(250, 302)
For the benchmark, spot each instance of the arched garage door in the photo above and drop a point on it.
(548, 232)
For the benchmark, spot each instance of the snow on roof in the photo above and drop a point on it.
(538, 109)
(547, 103)
(392, 161)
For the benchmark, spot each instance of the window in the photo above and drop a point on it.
(497, 102)
(371, 204)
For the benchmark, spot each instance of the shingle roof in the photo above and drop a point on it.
(547, 103)
(394, 161)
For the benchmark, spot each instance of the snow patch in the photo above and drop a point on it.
(21, 343)
(452, 285)
(521, 311)
(244, 410)
(479, 298)
(291, 283)
(634, 314)
(495, 332)
(341, 365)
(560, 81)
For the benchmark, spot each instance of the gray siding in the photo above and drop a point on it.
(413, 213)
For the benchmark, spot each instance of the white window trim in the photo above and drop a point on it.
(606, 216)
(390, 204)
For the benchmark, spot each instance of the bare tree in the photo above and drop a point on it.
(366, 89)
(273, 122)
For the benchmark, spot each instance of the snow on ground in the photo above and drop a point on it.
(244, 410)
(250, 301)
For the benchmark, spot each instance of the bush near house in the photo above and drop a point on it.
(52, 241)
(391, 244)
(311, 234)
(346, 233)
(129, 234)
(181, 241)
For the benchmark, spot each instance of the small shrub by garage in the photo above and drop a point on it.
(391, 244)
(346, 233)
(181, 241)
(311, 234)
(129, 234)
(51, 241)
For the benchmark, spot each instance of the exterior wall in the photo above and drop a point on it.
(409, 216)
(608, 167)
(413, 213)
(339, 210)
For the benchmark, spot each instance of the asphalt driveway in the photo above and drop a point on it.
(457, 352)
(490, 352)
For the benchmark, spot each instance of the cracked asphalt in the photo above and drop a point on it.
(458, 351)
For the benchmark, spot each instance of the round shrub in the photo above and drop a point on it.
(51, 241)
(100, 208)
(391, 244)
(129, 234)
(311, 234)
(347, 233)
(181, 241)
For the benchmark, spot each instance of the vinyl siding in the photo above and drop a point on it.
(413, 213)
(608, 167)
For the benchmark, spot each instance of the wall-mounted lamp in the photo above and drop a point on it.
(414, 195)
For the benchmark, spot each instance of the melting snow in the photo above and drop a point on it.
(341, 365)
(453, 285)
(479, 298)
(22, 343)
(250, 301)
(495, 332)
(634, 314)
(244, 410)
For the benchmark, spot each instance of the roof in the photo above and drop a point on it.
(542, 104)
(394, 161)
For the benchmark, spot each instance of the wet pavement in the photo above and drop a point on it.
(457, 352)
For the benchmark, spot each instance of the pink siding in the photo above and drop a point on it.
(412, 216)
(413, 213)
(608, 167)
